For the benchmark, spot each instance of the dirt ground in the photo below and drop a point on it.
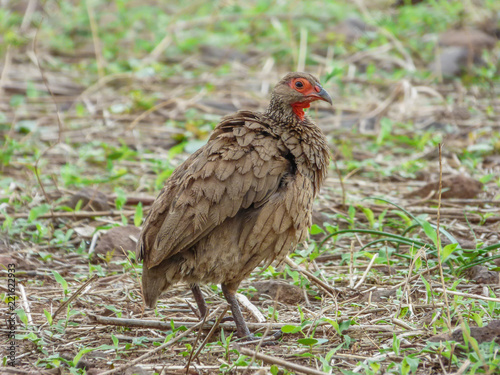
(79, 174)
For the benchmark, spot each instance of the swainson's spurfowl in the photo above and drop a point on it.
(243, 199)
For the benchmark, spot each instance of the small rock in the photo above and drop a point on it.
(481, 275)
(457, 186)
(117, 238)
(5, 260)
(461, 49)
(289, 294)
(474, 40)
(481, 334)
(491, 161)
(451, 61)
(14, 258)
(92, 200)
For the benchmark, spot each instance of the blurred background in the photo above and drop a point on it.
(101, 100)
(113, 86)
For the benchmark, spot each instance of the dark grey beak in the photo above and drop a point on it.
(323, 95)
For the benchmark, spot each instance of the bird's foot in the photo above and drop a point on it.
(268, 340)
(227, 319)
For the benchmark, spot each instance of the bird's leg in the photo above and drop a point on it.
(200, 301)
(229, 291)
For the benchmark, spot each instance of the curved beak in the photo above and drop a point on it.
(323, 95)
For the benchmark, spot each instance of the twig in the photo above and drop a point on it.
(156, 350)
(196, 341)
(78, 214)
(74, 295)
(463, 368)
(243, 300)
(351, 266)
(278, 361)
(93, 243)
(153, 324)
(330, 290)
(210, 333)
(28, 15)
(26, 304)
(366, 271)
(266, 332)
(477, 296)
(95, 38)
(438, 237)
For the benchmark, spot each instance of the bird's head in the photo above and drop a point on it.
(297, 91)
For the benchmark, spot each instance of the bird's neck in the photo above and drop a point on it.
(284, 113)
(303, 138)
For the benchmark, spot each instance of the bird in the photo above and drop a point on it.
(242, 200)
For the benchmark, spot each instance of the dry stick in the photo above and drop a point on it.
(95, 38)
(93, 243)
(261, 341)
(243, 300)
(30, 9)
(152, 352)
(74, 295)
(26, 304)
(281, 362)
(463, 368)
(79, 214)
(327, 288)
(210, 333)
(440, 146)
(153, 324)
(156, 350)
(196, 341)
(351, 266)
(366, 271)
(477, 296)
(407, 281)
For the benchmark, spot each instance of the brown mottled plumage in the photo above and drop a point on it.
(243, 199)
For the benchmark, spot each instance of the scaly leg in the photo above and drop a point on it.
(200, 301)
(229, 291)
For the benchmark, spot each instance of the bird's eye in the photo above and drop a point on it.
(299, 84)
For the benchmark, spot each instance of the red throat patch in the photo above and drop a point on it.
(298, 109)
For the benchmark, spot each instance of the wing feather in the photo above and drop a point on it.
(228, 174)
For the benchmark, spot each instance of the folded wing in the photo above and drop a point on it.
(240, 166)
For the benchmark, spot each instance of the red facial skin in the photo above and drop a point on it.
(310, 95)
